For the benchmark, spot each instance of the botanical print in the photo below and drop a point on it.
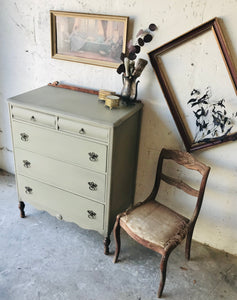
(212, 119)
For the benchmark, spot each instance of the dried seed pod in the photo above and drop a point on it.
(140, 42)
(138, 49)
(152, 27)
(121, 69)
(147, 38)
(132, 56)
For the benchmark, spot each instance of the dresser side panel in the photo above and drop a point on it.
(124, 167)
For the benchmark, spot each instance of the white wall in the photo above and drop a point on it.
(25, 64)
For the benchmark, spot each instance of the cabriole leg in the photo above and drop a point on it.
(21, 207)
(106, 245)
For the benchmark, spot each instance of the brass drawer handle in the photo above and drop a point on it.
(28, 190)
(92, 186)
(33, 118)
(93, 156)
(91, 214)
(24, 137)
(26, 164)
(82, 131)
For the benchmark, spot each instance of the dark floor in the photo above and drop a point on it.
(42, 258)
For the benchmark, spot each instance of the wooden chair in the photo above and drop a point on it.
(156, 226)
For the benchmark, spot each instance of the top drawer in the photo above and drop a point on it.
(83, 129)
(33, 116)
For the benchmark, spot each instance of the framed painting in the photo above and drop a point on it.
(88, 38)
(199, 82)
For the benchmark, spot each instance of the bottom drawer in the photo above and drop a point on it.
(86, 213)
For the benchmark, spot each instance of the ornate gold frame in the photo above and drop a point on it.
(107, 57)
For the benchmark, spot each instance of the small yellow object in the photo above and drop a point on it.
(112, 101)
(103, 94)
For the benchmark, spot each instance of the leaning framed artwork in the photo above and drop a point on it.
(199, 81)
(88, 38)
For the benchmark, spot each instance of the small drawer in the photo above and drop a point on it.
(33, 116)
(83, 129)
(62, 204)
(60, 174)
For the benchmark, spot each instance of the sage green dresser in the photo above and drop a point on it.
(75, 158)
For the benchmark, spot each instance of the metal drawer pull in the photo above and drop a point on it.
(33, 118)
(26, 164)
(93, 156)
(28, 190)
(92, 186)
(82, 131)
(24, 137)
(91, 214)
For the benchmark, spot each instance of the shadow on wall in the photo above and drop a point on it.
(158, 131)
(229, 42)
(223, 176)
(1, 147)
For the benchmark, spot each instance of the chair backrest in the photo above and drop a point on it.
(188, 161)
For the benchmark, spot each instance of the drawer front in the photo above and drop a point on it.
(60, 146)
(60, 174)
(83, 129)
(64, 205)
(32, 116)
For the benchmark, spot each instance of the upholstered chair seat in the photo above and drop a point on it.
(156, 224)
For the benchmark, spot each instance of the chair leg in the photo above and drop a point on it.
(117, 239)
(188, 244)
(163, 267)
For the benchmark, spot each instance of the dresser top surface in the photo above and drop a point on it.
(74, 104)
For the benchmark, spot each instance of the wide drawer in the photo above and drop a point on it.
(64, 205)
(83, 129)
(87, 154)
(60, 174)
(33, 116)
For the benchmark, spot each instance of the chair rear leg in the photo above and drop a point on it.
(117, 239)
(188, 244)
(163, 267)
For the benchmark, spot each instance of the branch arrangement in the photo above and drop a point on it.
(128, 66)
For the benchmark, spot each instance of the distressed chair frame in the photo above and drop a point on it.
(187, 160)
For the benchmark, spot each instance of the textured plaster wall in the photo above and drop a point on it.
(25, 64)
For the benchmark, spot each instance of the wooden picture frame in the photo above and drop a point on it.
(88, 38)
(178, 100)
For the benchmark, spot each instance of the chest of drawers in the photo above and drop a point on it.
(74, 158)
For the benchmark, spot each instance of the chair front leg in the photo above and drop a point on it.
(117, 239)
(163, 267)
